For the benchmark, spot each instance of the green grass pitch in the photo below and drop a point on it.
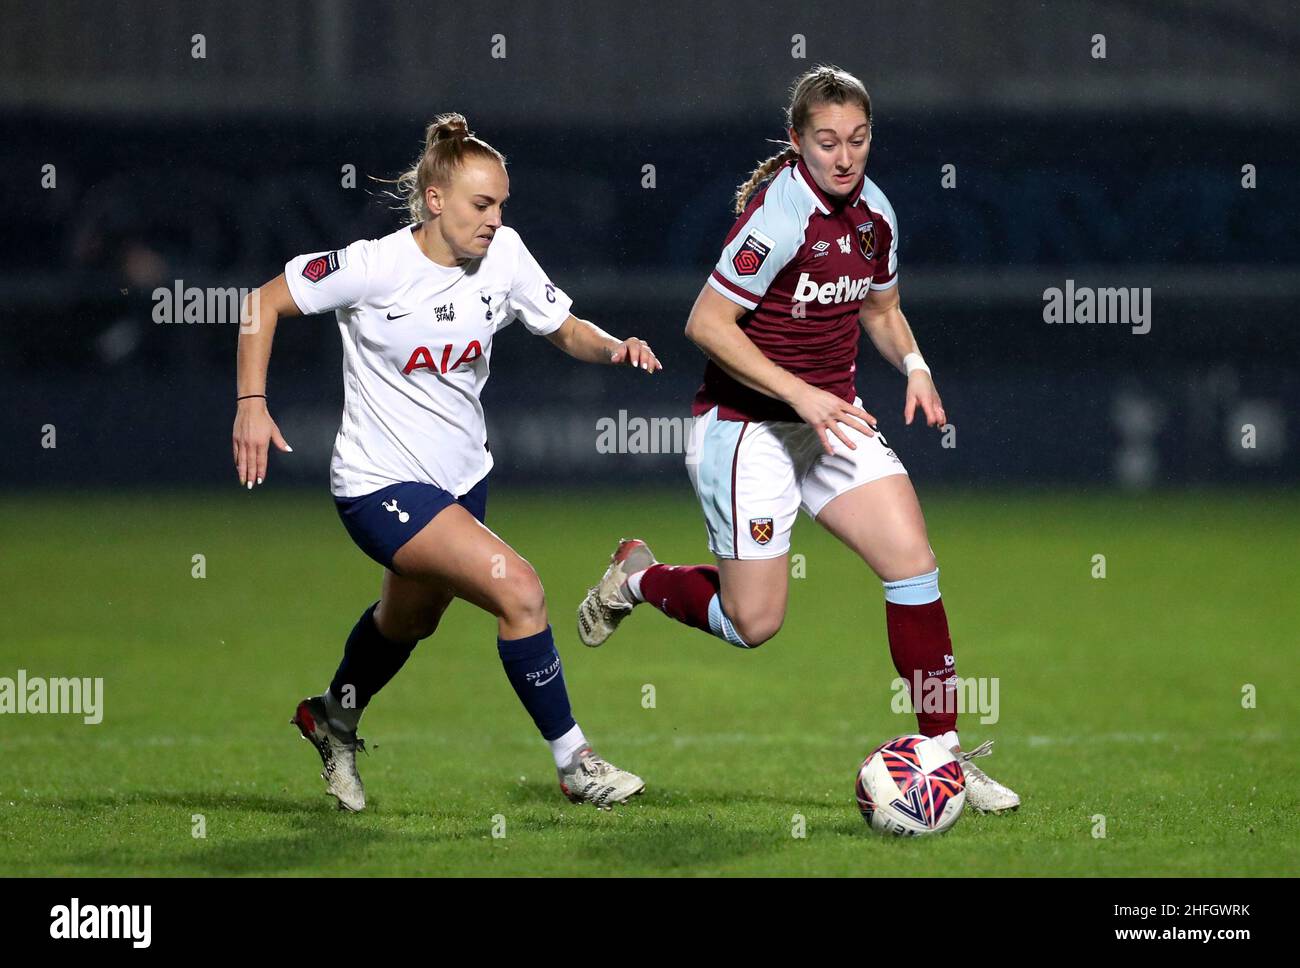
(1120, 697)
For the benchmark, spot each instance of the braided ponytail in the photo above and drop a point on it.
(764, 171)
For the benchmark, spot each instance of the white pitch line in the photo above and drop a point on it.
(675, 740)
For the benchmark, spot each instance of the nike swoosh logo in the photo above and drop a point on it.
(541, 682)
(399, 315)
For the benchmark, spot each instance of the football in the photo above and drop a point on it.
(911, 786)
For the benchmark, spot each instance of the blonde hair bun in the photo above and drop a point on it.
(447, 127)
(448, 142)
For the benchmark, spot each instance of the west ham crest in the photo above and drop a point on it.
(760, 529)
(867, 239)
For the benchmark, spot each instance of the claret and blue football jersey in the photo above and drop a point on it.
(801, 263)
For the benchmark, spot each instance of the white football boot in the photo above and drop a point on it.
(983, 793)
(607, 604)
(590, 779)
(338, 752)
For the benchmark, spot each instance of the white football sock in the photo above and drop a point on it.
(949, 739)
(633, 586)
(564, 748)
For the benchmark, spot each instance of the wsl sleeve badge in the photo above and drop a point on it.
(751, 255)
(324, 265)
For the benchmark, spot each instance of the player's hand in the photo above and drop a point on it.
(636, 352)
(824, 412)
(921, 393)
(252, 438)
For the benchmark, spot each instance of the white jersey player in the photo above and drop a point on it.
(417, 311)
(417, 344)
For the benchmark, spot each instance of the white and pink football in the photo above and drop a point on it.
(911, 786)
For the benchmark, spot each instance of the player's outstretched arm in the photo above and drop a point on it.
(254, 428)
(883, 320)
(586, 341)
(713, 327)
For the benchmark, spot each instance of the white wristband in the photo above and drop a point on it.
(914, 361)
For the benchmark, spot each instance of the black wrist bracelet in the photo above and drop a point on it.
(249, 396)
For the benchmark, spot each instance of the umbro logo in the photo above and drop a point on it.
(820, 248)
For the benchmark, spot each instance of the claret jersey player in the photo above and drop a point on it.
(802, 273)
(800, 263)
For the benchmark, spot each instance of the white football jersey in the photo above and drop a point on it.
(417, 340)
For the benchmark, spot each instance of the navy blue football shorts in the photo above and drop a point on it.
(384, 520)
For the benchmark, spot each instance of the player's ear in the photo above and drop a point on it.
(794, 139)
(433, 200)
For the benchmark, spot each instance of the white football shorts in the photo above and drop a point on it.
(753, 477)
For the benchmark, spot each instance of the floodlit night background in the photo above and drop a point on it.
(1125, 171)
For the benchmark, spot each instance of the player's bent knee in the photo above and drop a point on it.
(521, 596)
(757, 629)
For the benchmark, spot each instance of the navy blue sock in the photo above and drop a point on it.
(369, 662)
(533, 667)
